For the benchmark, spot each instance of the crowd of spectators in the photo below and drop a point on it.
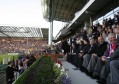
(16, 45)
(95, 50)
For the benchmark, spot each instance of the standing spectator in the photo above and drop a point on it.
(117, 33)
(110, 22)
(10, 73)
(65, 47)
(116, 19)
(21, 68)
(106, 23)
(31, 61)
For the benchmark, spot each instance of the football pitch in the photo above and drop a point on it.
(8, 56)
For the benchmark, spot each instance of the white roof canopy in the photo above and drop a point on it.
(12, 31)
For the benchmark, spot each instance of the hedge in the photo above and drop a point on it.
(40, 72)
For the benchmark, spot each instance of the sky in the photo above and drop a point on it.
(24, 13)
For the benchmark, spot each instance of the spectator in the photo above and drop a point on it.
(114, 66)
(66, 48)
(92, 50)
(31, 60)
(105, 37)
(102, 65)
(116, 19)
(96, 61)
(10, 73)
(102, 46)
(82, 53)
(117, 33)
(21, 68)
(110, 22)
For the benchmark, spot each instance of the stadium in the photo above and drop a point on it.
(84, 51)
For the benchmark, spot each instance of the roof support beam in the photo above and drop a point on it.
(4, 33)
(41, 32)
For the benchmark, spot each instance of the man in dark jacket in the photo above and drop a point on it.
(65, 47)
(92, 50)
(103, 63)
(102, 46)
(10, 73)
(31, 60)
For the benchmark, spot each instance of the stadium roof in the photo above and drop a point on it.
(12, 31)
(63, 10)
(94, 9)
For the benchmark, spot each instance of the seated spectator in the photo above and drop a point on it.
(102, 66)
(74, 51)
(114, 66)
(76, 59)
(102, 46)
(82, 52)
(110, 30)
(104, 35)
(92, 50)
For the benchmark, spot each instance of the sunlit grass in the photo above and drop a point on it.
(8, 56)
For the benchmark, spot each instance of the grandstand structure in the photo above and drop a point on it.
(77, 13)
(14, 31)
(87, 20)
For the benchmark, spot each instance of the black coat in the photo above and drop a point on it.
(101, 49)
(75, 49)
(65, 47)
(30, 62)
(86, 49)
(10, 73)
(92, 49)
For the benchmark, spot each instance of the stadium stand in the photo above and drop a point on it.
(90, 30)
(27, 42)
(92, 49)
(20, 45)
(89, 51)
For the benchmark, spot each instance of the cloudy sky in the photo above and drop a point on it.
(24, 13)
